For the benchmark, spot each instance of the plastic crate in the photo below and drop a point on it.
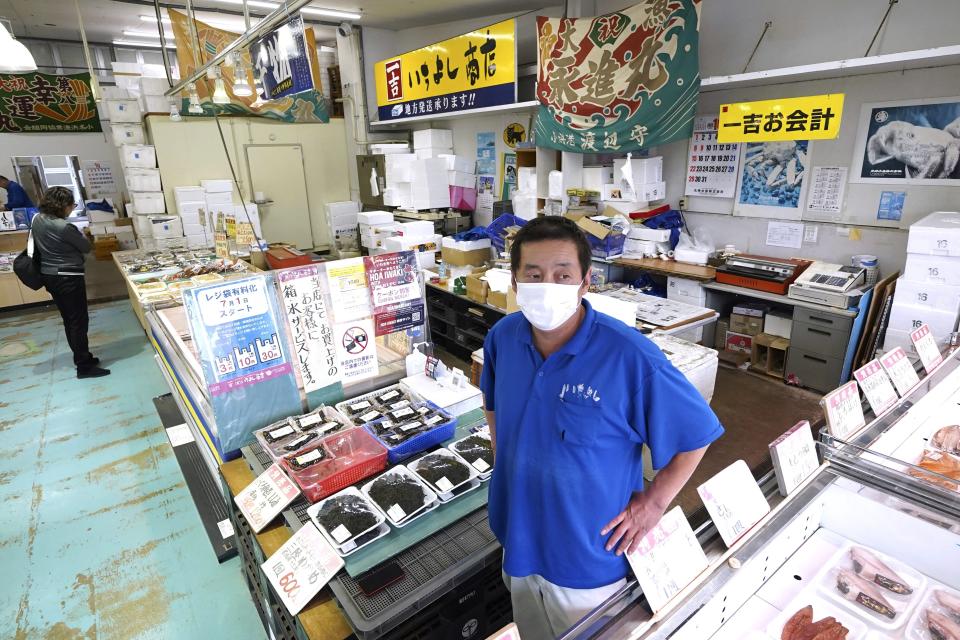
(355, 455)
(422, 442)
(609, 247)
(375, 404)
(497, 227)
(318, 415)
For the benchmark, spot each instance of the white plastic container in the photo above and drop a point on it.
(148, 202)
(166, 227)
(937, 234)
(153, 86)
(142, 179)
(932, 269)
(462, 164)
(188, 194)
(433, 153)
(697, 363)
(461, 179)
(399, 167)
(126, 110)
(126, 133)
(938, 296)
(374, 218)
(344, 546)
(393, 513)
(909, 317)
(138, 156)
(444, 488)
(217, 186)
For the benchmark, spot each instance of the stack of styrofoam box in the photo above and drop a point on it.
(430, 188)
(929, 290)
(342, 220)
(143, 184)
(647, 176)
(398, 191)
(126, 75)
(217, 198)
(426, 245)
(375, 227)
(248, 212)
(462, 181)
(432, 143)
(387, 148)
(99, 221)
(151, 98)
(191, 208)
(689, 292)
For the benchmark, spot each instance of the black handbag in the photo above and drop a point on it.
(27, 266)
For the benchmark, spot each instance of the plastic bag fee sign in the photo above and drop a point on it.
(876, 386)
(301, 567)
(926, 347)
(265, 497)
(844, 411)
(898, 367)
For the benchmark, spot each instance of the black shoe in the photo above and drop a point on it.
(92, 372)
(95, 361)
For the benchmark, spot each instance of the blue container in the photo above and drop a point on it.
(496, 228)
(609, 247)
(439, 434)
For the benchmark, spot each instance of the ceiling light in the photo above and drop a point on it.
(145, 45)
(147, 34)
(331, 13)
(14, 56)
(220, 24)
(153, 19)
(195, 106)
(220, 90)
(240, 85)
(253, 3)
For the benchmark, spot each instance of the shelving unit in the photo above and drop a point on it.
(458, 324)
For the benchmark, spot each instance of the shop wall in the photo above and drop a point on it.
(191, 150)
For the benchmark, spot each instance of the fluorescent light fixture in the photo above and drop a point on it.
(137, 45)
(220, 24)
(137, 33)
(14, 56)
(331, 13)
(153, 19)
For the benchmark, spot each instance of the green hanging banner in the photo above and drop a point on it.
(619, 82)
(46, 103)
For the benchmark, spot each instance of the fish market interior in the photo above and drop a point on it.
(600, 319)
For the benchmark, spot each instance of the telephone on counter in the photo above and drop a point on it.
(826, 283)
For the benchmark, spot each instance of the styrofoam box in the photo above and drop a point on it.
(416, 228)
(130, 68)
(126, 110)
(388, 228)
(459, 163)
(388, 148)
(595, 177)
(221, 198)
(398, 194)
(645, 170)
(166, 227)
(651, 191)
(217, 186)
(426, 138)
(155, 104)
(126, 133)
(461, 179)
(640, 232)
(130, 84)
(138, 156)
(937, 234)
(778, 324)
(127, 241)
(100, 217)
(374, 218)
(190, 208)
(375, 240)
(406, 243)
(908, 317)
(938, 296)
(433, 152)
(686, 289)
(153, 86)
(143, 226)
(114, 93)
(142, 179)
(341, 209)
(697, 363)
(192, 229)
(399, 167)
(98, 228)
(188, 194)
(192, 218)
(148, 201)
(430, 188)
(901, 338)
(935, 269)
(466, 245)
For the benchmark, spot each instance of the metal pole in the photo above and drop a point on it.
(880, 26)
(766, 27)
(94, 85)
(163, 43)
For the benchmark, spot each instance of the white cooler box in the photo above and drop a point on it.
(142, 179)
(697, 363)
(188, 194)
(932, 269)
(138, 156)
(425, 246)
(686, 290)
(143, 226)
(428, 138)
(937, 234)
(148, 201)
(127, 110)
(938, 296)
(165, 227)
(896, 338)
(456, 402)
(127, 133)
(909, 317)
(374, 218)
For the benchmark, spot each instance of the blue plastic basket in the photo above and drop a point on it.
(497, 227)
(609, 247)
(422, 442)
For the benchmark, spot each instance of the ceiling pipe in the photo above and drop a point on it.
(163, 43)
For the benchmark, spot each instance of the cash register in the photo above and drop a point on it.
(833, 285)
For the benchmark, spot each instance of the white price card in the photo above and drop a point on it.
(926, 347)
(179, 435)
(310, 420)
(844, 411)
(302, 567)
(876, 386)
(396, 513)
(794, 456)
(898, 367)
(226, 528)
(264, 498)
(734, 501)
(481, 465)
(444, 484)
(667, 559)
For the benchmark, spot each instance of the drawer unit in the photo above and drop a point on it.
(819, 339)
(812, 370)
(823, 319)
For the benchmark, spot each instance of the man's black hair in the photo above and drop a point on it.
(551, 228)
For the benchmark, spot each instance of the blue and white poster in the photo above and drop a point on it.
(909, 142)
(773, 179)
(281, 64)
(891, 205)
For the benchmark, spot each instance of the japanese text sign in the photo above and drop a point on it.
(806, 118)
(265, 497)
(45, 103)
(470, 71)
(301, 567)
(668, 559)
(844, 411)
(734, 501)
(393, 279)
(898, 367)
(302, 293)
(281, 64)
(794, 456)
(876, 386)
(926, 347)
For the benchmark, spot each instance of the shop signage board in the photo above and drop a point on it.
(263, 499)
(98, 179)
(469, 71)
(302, 567)
(794, 456)
(356, 350)
(897, 365)
(281, 62)
(844, 411)
(349, 290)
(876, 386)
(46, 103)
(668, 559)
(734, 501)
(393, 279)
(804, 118)
(618, 82)
(926, 347)
(302, 295)
(711, 166)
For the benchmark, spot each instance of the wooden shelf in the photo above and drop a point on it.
(670, 268)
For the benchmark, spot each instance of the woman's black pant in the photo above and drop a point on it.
(70, 295)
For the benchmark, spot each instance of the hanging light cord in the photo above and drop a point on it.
(94, 85)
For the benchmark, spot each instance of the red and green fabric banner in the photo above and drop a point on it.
(46, 103)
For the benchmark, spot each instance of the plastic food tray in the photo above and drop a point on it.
(350, 545)
(355, 455)
(917, 627)
(430, 500)
(471, 483)
(476, 464)
(441, 433)
(371, 397)
(323, 414)
(822, 608)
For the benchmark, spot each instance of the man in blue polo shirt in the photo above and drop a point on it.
(17, 198)
(571, 395)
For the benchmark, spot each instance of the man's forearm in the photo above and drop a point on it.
(491, 421)
(672, 478)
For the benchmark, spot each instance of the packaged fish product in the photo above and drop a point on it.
(347, 520)
(400, 495)
(445, 473)
(938, 615)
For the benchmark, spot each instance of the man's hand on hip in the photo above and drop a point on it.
(641, 515)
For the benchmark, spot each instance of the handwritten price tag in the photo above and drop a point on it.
(264, 498)
(926, 347)
(898, 367)
(876, 386)
(301, 567)
(844, 411)
(734, 501)
(794, 457)
(668, 559)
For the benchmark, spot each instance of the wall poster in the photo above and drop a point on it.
(772, 182)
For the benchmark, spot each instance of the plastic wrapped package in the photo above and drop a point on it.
(295, 433)
(348, 521)
(338, 461)
(412, 429)
(695, 248)
(477, 451)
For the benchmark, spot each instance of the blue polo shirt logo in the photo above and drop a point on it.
(578, 392)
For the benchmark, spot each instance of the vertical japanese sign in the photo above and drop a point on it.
(619, 82)
(302, 567)
(734, 501)
(471, 71)
(281, 64)
(711, 166)
(876, 386)
(45, 103)
(926, 348)
(806, 118)
(264, 498)
(794, 456)
(395, 285)
(302, 296)
(901, 372)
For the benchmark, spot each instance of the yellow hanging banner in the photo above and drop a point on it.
(805, 118)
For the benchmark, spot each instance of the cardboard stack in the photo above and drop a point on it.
(375, 227)
(689, 292)
(343, 219)
(929, 290)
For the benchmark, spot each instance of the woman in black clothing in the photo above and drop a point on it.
(62, 248)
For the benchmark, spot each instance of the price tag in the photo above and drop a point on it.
(444, 485)
(310, 456)
(898, 367)
(794, 457)
(876, 386)
(220, 247)
(410, 425)
(226, 528)
(302, 567)
(387, 397)
(844, 411)
(370, 415)
(179, 435)
(432, 420)
(480, 465)
(310, 420)
(396, 513)
(360, 406)
(282, 432)
(341, 534)
(926, 347)
(734, 501)
(399, 405)
(402, 413)
(265, 497)
(668, 559)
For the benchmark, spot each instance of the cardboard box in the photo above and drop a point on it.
(747, 325)
(594, 228)
(477, 289)
(769, 355)
(720, 334)
(459, 258)
(123, 222)
(498, 299)
(738, 342)
(105, 245)
(778, 324)
(755, 309)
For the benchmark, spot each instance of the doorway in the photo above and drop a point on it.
(277, 171)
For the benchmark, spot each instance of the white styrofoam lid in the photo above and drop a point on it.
(939, 220)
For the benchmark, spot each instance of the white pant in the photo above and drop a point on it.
(544, 611)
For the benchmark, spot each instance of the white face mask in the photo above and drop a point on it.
(548, 305)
